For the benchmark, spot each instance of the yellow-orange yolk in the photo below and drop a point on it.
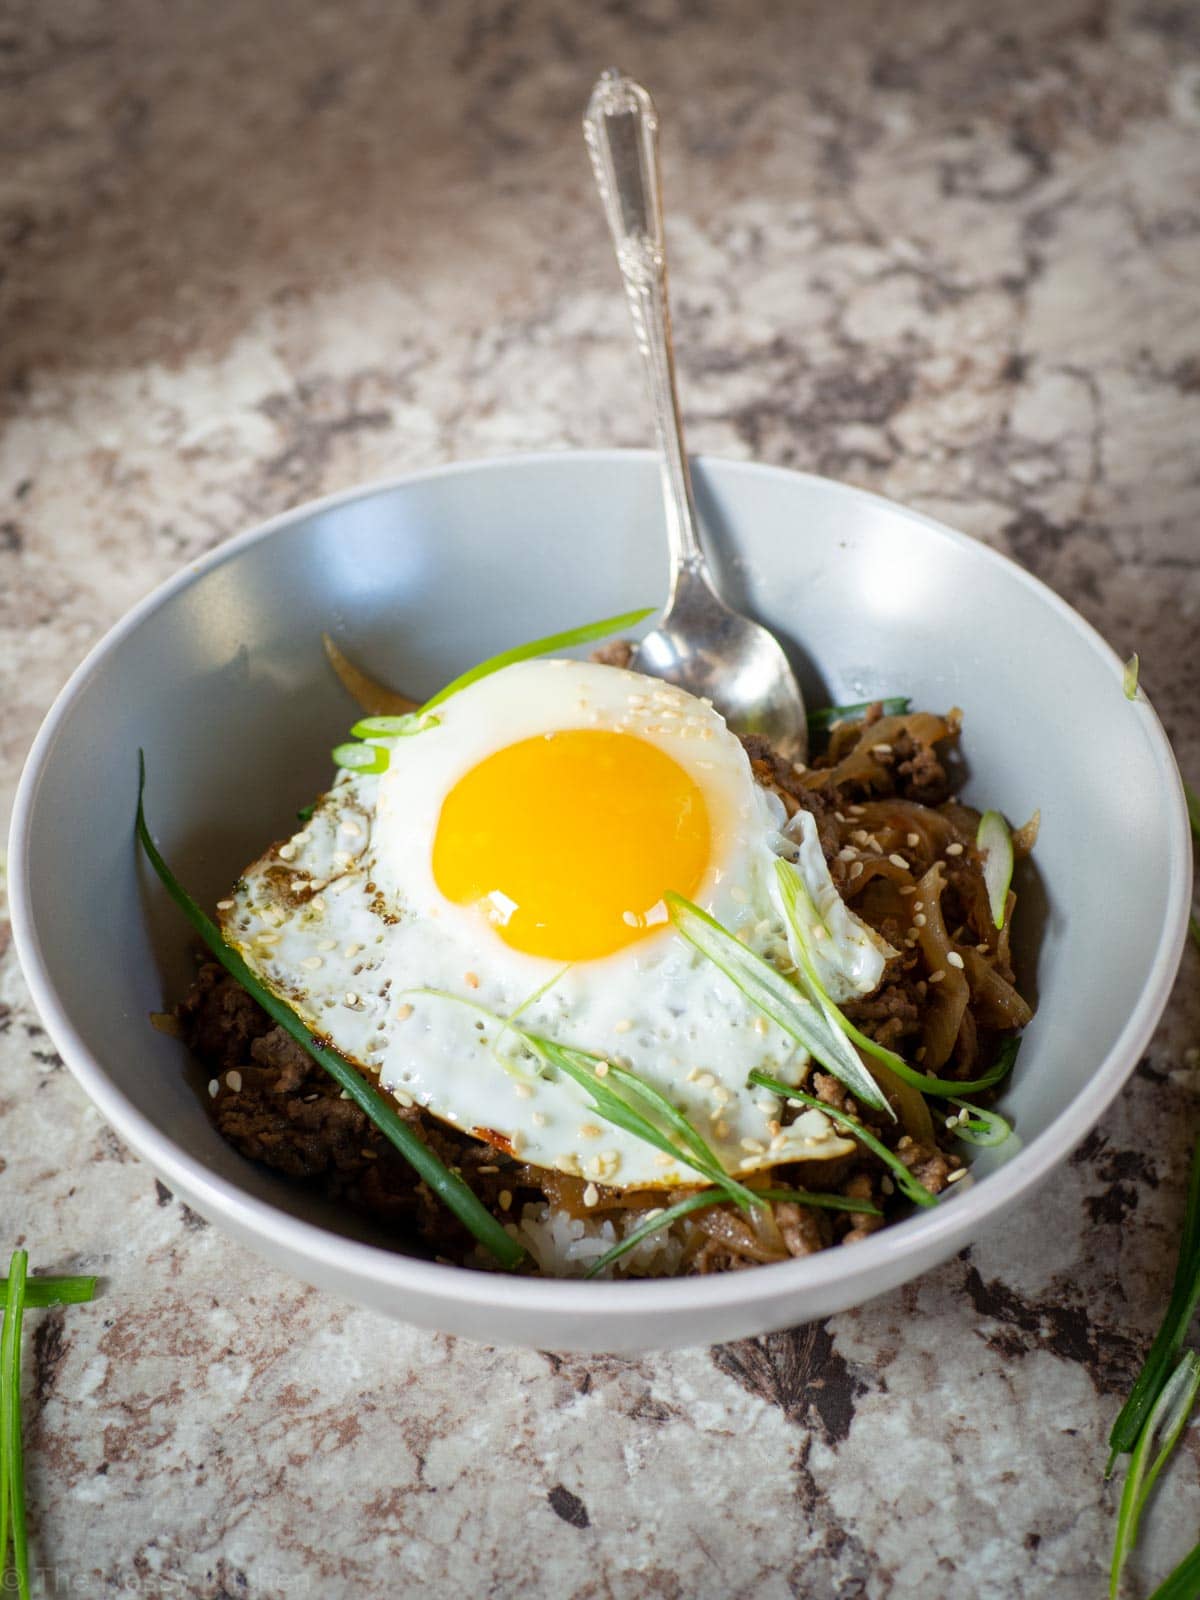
(571, 839)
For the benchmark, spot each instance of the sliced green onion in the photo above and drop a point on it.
(701, 1202)
(797, 900)
(1193, 807)
(1184, 1582)
(1129, 678)
(1185, 1293)
(581, 1066)
(448, 1186)
(994, 840)
(905, 1182)
(12, 1462)
(305, 813)
(776, 998)
(587, 634)
(507, 1022)
(984, 1128)
(54, 1291)
(1163, 1426)
(393, 727)
(361, 757)
(822, 1202)
(828, 715)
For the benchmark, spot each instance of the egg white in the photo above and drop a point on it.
(345, 921)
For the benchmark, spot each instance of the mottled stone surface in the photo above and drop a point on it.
(249, 253)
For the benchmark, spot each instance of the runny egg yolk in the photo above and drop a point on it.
(571, 839)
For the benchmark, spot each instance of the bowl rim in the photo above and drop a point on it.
(930, 1235)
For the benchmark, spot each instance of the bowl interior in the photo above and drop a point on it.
(222, 680)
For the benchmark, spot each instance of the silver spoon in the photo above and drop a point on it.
(701, 643)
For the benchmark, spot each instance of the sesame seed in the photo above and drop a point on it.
(953, 1177)
(351, 827)
(706, 1080)
(226, 905)
(799, 768)
(912, 840)
(839, 816)
(936, 977)
(287, 852)
(214, 1088)
(351, 998)
(881, 749)
(312, 963)
(568, 1163)
(856, 870)
(954, 849)
(233, 1081)
(860, 836)
(302, 838)
(845, 853)
(623, 1026)
(721, 1130)
(722, 1095)
(590, 1195)
(952, 1122)
(589, 1130)
(403, 1012)
(955, 959)
(506, 1199)
(316, 903)
(909, 888)
(982, 948)
(352, 950)
(819, 932)
(369, 1155)
(918, 905)
(920, 920)
(538, 1118)
(898, 861)
(488, 1169)
(754, 1146)
(602, 1069)
(692, 1075)
(664, 1160)
(471, 979)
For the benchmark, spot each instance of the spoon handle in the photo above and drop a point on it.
(621, 130)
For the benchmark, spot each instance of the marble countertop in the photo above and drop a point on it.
(253, 253)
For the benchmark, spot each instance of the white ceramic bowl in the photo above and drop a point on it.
(220, 676)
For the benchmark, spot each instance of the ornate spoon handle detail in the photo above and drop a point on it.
(621, 130)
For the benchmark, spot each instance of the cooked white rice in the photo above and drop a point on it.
(563, 1246)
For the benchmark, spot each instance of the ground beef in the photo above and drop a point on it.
(275, 1105)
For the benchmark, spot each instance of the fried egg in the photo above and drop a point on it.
(509, 866)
